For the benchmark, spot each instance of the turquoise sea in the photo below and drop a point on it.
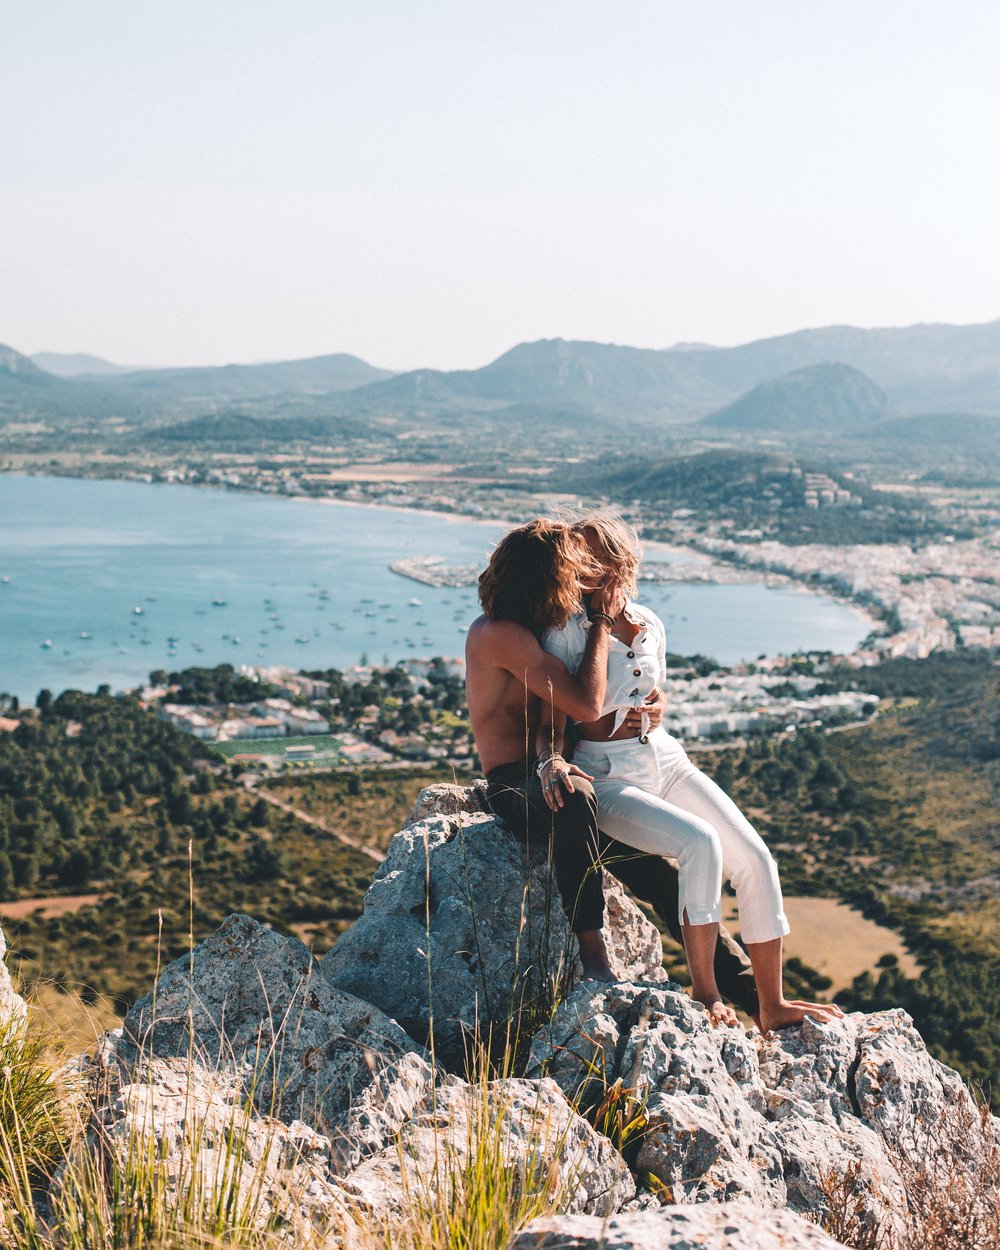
(104, 581)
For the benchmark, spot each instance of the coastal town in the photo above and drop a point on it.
(414, 712)
(919, 598)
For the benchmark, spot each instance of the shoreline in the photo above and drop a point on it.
(677, 553)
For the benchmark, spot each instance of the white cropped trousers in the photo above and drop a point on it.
(652, 797)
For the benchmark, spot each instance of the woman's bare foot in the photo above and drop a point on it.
(784, 1014)
(718, 1011)
(832, 1008)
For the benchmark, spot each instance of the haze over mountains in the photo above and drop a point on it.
(836, 378)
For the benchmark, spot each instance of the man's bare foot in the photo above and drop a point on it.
(598, 972)
(785, 1014)
(718, 1011)
(594, 956)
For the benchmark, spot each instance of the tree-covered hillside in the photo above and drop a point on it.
(100, 798)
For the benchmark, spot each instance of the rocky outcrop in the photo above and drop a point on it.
(723, 1226)
(814, 1117)
(13, 1011)
(262, 1085)
(462, 923)
(308, 1098)
(212, 1149)
(706, 1136)
(251, 1002)
(527, 1126)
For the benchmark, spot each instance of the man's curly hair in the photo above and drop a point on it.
(533, 576)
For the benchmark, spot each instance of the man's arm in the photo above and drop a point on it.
(517, 651)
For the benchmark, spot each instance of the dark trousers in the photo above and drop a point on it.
(580, 851)
(514, 793)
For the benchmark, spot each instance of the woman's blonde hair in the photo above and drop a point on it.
(618, 542)
(533, 576)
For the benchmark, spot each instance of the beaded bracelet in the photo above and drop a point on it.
(603, 616)
(547, 761)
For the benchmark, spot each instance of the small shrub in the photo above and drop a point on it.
(32, 1129)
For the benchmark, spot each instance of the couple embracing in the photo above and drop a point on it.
(562, 654)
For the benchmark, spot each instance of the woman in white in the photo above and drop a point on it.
(651, 797)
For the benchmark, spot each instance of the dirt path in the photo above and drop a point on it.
(299, 814)
(46, 908)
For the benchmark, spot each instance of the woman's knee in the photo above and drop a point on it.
(702, 848)
(755, 868)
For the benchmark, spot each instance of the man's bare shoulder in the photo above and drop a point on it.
(488, 639)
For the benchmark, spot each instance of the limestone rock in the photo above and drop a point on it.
(723, 1226)
(252, 1003)
(13, 1010)
(706, 1136)
(815, 1117)
(896, 1082)
(527, 1126)
(459, 893)
(197, 1126)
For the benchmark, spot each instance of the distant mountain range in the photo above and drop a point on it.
(840, 378)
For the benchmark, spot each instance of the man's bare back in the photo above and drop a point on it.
(508, 673)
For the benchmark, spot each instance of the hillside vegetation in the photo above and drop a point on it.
(99, 797)
(830, 397)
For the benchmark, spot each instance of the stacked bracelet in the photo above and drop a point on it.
(546, 761)
(603, 616)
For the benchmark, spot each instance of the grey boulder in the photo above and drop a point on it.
(13, 1010)
(252, 1003)
(706, 1137)
(463, 923)
(197, 1129)
(833, 1119)
(523, 1127)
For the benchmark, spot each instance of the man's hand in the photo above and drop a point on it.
(654, 705)
(556, 773)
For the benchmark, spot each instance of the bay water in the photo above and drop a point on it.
(105, 581)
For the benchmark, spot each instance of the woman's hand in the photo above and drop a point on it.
(609, 597)
(654, 705)
(556, 773)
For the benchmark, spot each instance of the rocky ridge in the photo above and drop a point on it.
(312, 1085)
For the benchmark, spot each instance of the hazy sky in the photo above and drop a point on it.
(429, 183)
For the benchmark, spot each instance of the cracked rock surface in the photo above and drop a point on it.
(723, 1226)
(251, 1002)
(774, 1120)
(13, 1011)
(461, 919)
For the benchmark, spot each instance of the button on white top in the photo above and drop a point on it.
(634, 670)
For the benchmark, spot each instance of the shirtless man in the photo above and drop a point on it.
(533, 582)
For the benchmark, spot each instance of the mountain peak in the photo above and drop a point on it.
(13, 362)
(830, 396)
